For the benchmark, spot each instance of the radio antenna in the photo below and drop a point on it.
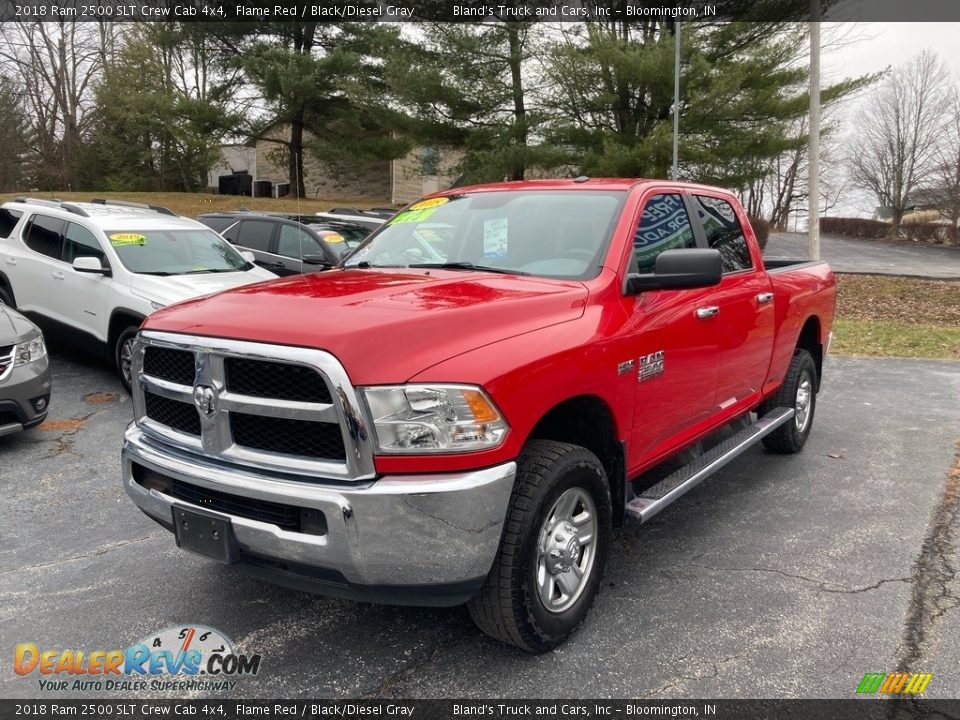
(296, 173)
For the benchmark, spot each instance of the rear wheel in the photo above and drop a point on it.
(799, 391)
(123, 355)
(554, 546)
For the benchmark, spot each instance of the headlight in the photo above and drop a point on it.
(30, 351)
(434, 418)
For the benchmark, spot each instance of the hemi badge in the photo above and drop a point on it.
(624, 367)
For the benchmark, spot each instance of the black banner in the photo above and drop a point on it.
(332, 11)
(215, 709)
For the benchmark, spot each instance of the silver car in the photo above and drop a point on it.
(24, 373)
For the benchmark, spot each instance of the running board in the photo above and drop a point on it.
(672, 487)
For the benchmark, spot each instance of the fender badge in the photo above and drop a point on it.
(624, 367)
(650, 366)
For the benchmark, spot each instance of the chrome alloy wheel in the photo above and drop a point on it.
(566, 550)
(802, 405)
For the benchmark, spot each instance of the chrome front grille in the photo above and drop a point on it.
(6, 360)
(278, 409)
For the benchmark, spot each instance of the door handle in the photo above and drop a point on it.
(11, 261)
(707, 312)
(764, 298)
(57, 275)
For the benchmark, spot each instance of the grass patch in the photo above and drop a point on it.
(193, 204)
(897, 317)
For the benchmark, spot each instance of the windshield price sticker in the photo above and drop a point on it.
(125, 239)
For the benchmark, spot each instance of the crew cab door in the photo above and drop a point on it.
(32, 262)
(80, 299)
(674, 346)
(744, 300)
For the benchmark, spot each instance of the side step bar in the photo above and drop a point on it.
(672, 487)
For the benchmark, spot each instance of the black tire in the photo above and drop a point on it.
(791, 436)
(125, 337)
(6, 297)
(509, 606)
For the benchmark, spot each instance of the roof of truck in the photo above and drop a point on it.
(581, 182)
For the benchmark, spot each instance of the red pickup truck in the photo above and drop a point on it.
(467, 406)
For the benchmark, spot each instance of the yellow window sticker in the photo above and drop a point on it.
(429, 203)
(419, 212)
(125, 239)
(334, 238)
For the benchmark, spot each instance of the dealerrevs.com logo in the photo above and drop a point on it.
(184, 658)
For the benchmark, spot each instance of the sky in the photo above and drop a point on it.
(863, 48)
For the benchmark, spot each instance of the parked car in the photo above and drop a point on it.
(470, 428)
(286, 243)
(24, 373)
(370, 221)
(93, 271)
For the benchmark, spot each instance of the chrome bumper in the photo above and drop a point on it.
(404, 531)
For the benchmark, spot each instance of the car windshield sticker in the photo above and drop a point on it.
(333, 238)
(495, 238)
(124, 239)
(418, 212)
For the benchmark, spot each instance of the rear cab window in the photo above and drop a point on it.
(8, 221)
(44, 234)
(723, 232)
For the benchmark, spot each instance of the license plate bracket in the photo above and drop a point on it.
(205, 533)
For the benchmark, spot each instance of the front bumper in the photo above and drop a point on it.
(18, 393)
(418, 540)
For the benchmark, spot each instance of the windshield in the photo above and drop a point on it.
(546, 233)
(349, 235)
(175, 252)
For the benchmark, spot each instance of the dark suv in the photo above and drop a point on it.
(287, 244)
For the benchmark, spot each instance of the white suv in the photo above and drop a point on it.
(95, 270)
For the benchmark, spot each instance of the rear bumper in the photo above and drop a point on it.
(419, 540)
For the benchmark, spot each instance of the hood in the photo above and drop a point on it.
(14, 327)
(176, 288)
(384, 326)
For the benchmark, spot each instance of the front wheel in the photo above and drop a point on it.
(799, 391)
(553, 549)
(123, 356)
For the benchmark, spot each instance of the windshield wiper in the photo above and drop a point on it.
(211, 270)
(161, 273)
(468, 266)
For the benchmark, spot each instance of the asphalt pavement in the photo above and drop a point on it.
(882, 257)
(782, 576)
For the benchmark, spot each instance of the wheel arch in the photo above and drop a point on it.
(810, 340)
(588, 421)
(119, 319)
(5, 282)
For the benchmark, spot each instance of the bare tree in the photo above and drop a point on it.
(54, 65)
(945, 182)
(897, 131)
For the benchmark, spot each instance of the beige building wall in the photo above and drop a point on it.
(392, 181)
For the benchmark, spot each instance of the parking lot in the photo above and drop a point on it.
(781, 576)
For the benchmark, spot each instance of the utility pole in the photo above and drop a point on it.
(813, 211)
(676, 99)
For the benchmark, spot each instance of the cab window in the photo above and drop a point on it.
(723, 231)
(255, 234)
(664, 225)
(293, 240)
(43, 235)
(80, 242)
(8, 220)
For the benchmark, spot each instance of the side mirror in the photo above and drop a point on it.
(90, 264)
(679, 269)
(248, 256)
(316, 259)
